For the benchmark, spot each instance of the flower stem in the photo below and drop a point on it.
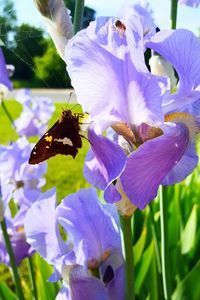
(127, 246)
(32, 277)
(78, 15)
(164, 244)
(155, 237)
(7, 113)
(12, 260)
(174, 4)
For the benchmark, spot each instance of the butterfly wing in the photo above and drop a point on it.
(62, 138)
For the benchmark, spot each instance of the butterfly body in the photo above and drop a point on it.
(62, 138)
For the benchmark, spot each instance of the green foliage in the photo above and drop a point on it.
(51, 69)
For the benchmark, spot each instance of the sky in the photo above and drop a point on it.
(187, 17)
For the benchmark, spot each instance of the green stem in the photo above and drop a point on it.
(7, 113)
(164, 243)
(174, 4)
(32, 277)
(12, 260)
(127, 245)
(78, 15)
(155, 237)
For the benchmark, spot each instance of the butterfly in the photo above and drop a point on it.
(62, 138)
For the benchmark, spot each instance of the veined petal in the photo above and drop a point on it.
(147, 166)
(41, 227)
(183, 168)
(104, 164)
(98, 60)
(185, 59)
(86, 221)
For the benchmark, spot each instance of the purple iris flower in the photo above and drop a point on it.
(90, 262)
(18, 241)
(20, 181)
(35, 115)
(156, 129)
(192, 3)
(4, 76)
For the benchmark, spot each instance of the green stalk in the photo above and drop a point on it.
(155, 237)
(7, 113)
(127, 246)
(32, 277)
(174, 4)
(78, 15)
(12, 260)
(164, 243)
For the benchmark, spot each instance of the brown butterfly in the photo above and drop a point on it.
(62, 138)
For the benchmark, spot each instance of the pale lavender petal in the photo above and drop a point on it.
(185, 60)
(116, 288)
(97, 59)
(41, 227)
(104, 164)
(183, 168)
(4, 77)
(147, 166)
(142, 10)
(192, 3)
(86, 221)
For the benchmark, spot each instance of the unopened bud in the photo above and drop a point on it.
(159, 66)
(58, 21)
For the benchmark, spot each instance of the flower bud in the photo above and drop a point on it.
(159, 66)
(59, 24)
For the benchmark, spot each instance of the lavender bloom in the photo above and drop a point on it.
(19, 180)
(93, 244)
(192, 3)
(156, 130)
(35, 116)
(5, 82)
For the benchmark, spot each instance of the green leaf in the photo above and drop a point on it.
(6, 293)
(46, 290)
(189, 232)
(144, 267)
(139, 246)
(189, 287)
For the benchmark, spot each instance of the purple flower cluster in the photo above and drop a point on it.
(90, 261)
(155, 129)
(21, 183)
(35, 115)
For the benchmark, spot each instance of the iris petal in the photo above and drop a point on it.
(147, 166)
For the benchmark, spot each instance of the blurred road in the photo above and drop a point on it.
(57, 95)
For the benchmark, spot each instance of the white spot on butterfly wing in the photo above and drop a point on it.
(65, 141)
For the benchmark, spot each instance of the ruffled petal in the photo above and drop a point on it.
(87, 222)
(98, 61)
(104, 163)
(147, 166)
(183, 168)
(186, 61)
(41, 227)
